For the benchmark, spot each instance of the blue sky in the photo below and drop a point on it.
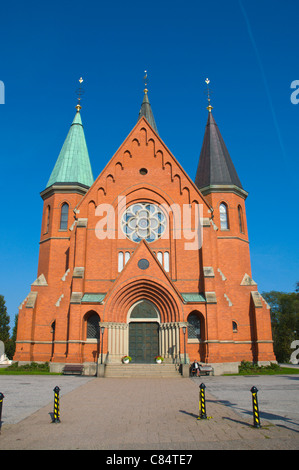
(248, 49)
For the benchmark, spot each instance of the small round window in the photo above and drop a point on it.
(143, 221)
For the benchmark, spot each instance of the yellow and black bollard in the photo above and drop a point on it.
(1, 403)
(256, 413)
(202, 403)
(56, 413)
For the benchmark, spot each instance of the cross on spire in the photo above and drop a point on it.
(145, 81)
(209, 107)
(79, 93)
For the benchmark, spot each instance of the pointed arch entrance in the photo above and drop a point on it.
(143, 320)
(125, 306)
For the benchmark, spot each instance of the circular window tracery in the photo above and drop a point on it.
(143, 221)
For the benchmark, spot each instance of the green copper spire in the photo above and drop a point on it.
(73, 165)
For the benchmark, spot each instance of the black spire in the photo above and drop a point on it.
(215, 168)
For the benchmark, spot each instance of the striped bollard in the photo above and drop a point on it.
(202, 403)
(256, 413)
(56, 413)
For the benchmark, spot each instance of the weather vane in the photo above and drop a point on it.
(79, 93)
(145, 81)
(208, 93)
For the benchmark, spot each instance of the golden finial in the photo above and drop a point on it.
(145, 81)
(209, 107)
(79, 92)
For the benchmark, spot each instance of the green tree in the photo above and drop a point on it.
(4, 321)
(285, 321)
(10, 346)
(4, 324)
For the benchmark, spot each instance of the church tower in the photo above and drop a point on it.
(218, 181)
(69, 181)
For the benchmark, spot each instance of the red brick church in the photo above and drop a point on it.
(159, 261)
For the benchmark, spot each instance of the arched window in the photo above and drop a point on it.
(166, 261)
(240, 215)
(223, 216)
(235, 326)
(120, 261)
(47, 220)
(64, 216)
(93, 326)
(193, 326)
(144, 309)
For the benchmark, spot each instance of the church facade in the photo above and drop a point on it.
(160, 262)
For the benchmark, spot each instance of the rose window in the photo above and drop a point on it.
(143, 221)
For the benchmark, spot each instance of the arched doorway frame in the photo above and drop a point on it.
(119, 303)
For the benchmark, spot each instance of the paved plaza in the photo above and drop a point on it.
(148, 413)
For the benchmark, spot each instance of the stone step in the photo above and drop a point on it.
(141, 370)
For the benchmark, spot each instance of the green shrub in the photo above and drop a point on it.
(247, 367)
(33, 366)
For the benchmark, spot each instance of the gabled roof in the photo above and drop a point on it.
(153, 271)
(73, 164)
(215, 167)
(142, 122)
(147, 112)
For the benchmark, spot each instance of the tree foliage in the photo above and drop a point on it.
(9, 342)
(4, 321)
(285, 321)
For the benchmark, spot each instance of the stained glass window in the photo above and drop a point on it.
(143, 221)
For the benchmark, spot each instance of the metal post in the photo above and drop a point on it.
(256, 414)
(1, 403)
(184, 331)
(202, 402)
(102, 331)
(56, 413)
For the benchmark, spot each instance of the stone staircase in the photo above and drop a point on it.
(142, 370)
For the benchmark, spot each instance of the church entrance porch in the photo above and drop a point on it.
(143, 341)
(143, 335)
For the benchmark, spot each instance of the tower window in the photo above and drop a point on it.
(47, 224)
(235, 327)
(241, 222)
(223, 216)
(64, 216)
